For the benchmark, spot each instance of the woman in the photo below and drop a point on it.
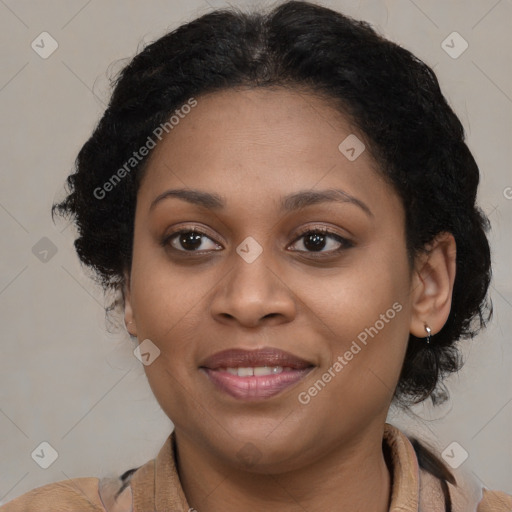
(286, 206)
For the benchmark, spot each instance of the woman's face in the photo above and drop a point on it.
(338, 305)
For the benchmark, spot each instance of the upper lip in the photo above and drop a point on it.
(267, 356)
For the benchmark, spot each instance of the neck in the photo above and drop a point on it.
(354, 477)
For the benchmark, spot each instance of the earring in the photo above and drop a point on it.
(429, 333)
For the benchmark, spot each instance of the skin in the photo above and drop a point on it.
(253, 147)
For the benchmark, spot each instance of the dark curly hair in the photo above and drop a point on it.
(391, 96)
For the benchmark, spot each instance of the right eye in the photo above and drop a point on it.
(189, 240)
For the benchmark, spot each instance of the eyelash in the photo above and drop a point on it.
(344, 242)
(322, 230)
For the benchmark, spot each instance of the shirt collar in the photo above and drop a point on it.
(158, 481)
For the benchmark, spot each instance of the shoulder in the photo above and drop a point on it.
(495, 501)
(112, 494)
(75, 494)
(418, 468)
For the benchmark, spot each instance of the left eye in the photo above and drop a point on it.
(318, 239)
(315, 240)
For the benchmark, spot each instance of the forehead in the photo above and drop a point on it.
(272, 120)
(259, 143)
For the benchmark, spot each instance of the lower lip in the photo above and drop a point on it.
(255, 387)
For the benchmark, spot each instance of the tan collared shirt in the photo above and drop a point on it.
(155, 486)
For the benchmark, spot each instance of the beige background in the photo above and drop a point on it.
(64, 379)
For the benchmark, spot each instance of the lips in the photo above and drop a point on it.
(254, 374)
(237, 358)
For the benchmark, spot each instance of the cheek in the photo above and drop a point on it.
(170, 389)
(173, 326)
(355, 296)
(163, 293)
(359, 380)
(366, 308)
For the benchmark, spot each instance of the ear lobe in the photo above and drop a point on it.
(129, 320)
(432, 285)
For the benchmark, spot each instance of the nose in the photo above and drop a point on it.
(253, 295)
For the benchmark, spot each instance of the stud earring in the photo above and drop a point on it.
(429, 333)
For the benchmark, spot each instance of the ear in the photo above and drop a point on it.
(129, 319)
(432, 285)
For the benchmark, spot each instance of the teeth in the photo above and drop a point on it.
(257, 371)
(264, 370)
(245, 372)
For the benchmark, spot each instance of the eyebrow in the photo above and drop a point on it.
(289, 203)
